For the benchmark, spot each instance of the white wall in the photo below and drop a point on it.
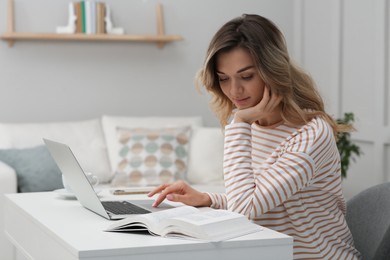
(46, 81)
(345, 45)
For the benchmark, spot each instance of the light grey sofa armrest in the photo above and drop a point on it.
(8, 184)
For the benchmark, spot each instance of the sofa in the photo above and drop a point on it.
(120, 150)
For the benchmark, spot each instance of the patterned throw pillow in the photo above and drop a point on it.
(151, 157)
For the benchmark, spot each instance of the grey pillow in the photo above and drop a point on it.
(35, 168)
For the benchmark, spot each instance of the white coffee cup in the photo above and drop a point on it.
(93, 180)
(66, 185)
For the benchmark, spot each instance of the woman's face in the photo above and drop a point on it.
(239, 79)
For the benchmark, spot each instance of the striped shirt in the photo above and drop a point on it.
(288, 179)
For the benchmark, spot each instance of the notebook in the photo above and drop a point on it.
(85, 193)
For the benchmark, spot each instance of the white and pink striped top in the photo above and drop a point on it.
(288, 179)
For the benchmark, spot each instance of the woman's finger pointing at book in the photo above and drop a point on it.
(165, 189)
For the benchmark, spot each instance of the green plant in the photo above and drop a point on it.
(345, 145)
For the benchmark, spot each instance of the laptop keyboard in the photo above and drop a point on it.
(123, 208)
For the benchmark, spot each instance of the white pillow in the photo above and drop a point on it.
(85, 138)
(111, 123)
(206, 156)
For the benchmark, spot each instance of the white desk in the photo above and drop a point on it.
(45, 226)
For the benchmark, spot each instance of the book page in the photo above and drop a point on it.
(214, 225)
(157, 217)
(207, 217)
(152, 221)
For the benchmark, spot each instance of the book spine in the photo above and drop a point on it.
(83, 16)
(100, 18)
(79, 18)
(88, 28)
(93, 16)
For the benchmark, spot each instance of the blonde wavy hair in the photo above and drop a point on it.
(267, 47)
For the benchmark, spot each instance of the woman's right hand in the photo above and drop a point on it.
(180, 191)
(266, 108)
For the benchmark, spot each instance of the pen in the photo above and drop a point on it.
(128, 192)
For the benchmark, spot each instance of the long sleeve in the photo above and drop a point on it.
(288, 179)
(256, 191)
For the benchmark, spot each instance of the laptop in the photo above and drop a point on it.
(85, 193)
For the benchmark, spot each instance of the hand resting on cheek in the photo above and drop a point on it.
(265, 109)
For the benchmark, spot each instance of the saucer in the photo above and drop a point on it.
(70, 195)
(65, 193)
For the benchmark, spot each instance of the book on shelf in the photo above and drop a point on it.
(90, 17)
(93, 16)
(83, 18)
(189, 222)
(100, 13)
(79, 17)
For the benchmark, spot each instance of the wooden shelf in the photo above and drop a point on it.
(14, 36)
(160, 38)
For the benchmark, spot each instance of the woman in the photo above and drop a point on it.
(281, 163)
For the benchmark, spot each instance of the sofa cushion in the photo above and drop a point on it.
(111, 123)
(85, 138)
(206, 156)
(152, 156)
(35, 168)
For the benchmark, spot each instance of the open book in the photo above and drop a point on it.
(189, 222)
